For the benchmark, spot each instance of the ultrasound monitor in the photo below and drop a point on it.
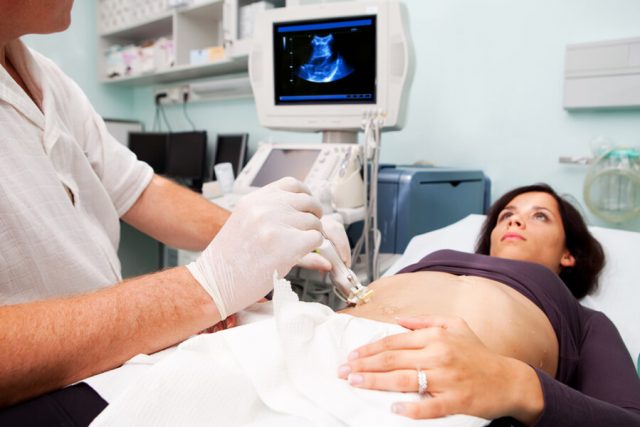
(323, 67)
(231, 148)
(325, 61)
(186, 155)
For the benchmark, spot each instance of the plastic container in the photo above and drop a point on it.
(612, 185)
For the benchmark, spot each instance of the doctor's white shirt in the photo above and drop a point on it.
(64, 183)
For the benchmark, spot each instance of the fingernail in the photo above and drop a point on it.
(353, 355)
(355, 379)
(344, 370)
(397, 408)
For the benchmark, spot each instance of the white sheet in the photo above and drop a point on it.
(619, 293)
(275, 372)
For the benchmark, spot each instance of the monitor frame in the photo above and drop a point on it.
(393, 69)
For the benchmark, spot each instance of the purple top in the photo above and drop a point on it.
(596, 383)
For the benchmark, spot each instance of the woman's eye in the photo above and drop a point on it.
(504, 216)
(540, 216)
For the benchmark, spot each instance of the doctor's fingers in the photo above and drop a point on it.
(279, 201)
(300, 221)
(289, 184)
(304, 203)
(298, 238)
(335, 232)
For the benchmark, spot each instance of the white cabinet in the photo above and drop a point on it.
(152, 41)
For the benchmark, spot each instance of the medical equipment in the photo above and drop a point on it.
(612, 185)
(336, 69)
(345, 282)
(414, 200)
(322, 67)
(317, 165)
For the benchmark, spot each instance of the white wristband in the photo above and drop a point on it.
(211, 288)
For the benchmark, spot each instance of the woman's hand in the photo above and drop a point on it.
(463, 375)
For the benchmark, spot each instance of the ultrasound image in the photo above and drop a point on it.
(324, 65)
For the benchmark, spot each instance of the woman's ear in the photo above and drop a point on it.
(567, 260)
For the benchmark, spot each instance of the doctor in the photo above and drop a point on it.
(65, 183)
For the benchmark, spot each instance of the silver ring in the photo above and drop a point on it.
(422, 381)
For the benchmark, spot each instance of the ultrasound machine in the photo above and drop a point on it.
(326, 68)
(337, 69)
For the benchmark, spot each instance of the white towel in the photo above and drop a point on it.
(276, 372)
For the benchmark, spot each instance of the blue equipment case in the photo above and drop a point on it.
(413, 200)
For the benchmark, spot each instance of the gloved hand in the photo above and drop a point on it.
(334, 229)
(270, 230)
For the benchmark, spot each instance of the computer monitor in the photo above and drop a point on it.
(231, 148)
(323, 67)
(150, 147)
(186, 155)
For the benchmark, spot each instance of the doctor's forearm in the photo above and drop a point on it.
(47, 345)
(176, 215)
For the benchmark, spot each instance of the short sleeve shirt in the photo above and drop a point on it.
(64, 183)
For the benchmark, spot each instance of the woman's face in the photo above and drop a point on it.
(530, 228)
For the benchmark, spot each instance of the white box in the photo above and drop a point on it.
(602, 75)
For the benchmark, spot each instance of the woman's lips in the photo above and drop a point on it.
(512, 236)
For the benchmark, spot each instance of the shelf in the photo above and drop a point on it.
(184, 72)
(150, 28)
(203, 24)
(198, 5)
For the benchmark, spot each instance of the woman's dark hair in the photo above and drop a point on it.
(582, 278)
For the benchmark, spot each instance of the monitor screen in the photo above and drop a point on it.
(186, 155)
(324, 67)
(231, 149)
(285, 162)
(325, 61)
(151, 148)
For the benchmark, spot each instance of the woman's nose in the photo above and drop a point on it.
(515, 220)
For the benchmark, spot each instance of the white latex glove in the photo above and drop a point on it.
(270, 230)
(334, 230)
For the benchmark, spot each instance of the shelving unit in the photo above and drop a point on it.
(200, 25)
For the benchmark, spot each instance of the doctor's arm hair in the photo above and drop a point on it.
(175, 215)
(47, 345)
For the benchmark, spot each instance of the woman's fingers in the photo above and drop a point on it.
(434, 407)
(409, 340)
(405, 380)
(389, 361)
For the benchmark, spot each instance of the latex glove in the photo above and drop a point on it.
(463, 375)
(270, 230)
(334, 230)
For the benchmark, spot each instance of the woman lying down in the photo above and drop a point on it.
(456, 339)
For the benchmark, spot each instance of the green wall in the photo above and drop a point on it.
(75, 51)
(487, 91)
